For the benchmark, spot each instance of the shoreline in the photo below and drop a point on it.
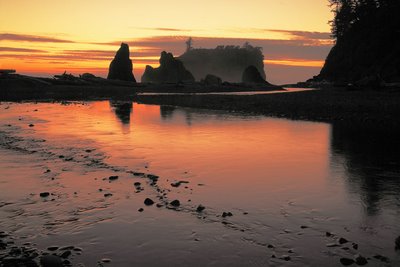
(325, 105)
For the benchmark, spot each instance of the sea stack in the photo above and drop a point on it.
(171, 70)
(252, 75)
(121, 66)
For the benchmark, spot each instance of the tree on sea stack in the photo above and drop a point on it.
(121, 66)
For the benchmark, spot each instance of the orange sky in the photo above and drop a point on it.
(46, 37)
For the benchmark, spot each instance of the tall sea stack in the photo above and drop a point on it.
(121, 66)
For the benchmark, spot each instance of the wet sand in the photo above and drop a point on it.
(74, 151)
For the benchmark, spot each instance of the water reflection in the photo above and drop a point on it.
(123, 110)
(371, 164)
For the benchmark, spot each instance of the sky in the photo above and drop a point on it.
(47, 37)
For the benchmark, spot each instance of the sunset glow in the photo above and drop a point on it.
(46, 37)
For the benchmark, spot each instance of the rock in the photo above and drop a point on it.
(121, 66)
(137, 184)
(212, 80)
(52, 248)
(397, 243)
(87, 76)
(355, 246)
(148, 202)
(346, 261)
(252, 75)
(360, 260)
(108, 195)
(270, 246)
(159, 205)
(304, 227)
(113, 177)
(106, 260)
(175, 203)
(44, 194)
(31, 125)
(171, 70)
(141, 210)
(200, 208)
(343, 241)
(177, 184)
(227, 214)
(51, 261)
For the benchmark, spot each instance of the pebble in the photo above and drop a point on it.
(360, 260)
(381, 258)
(227, 214)
(51, 261)
(343, 241)
(200, 208)
(141, 210)
(148, 202)
(65, 254)
(113, 177)
(44, 194)
(175, 203)
(286, 257)
(328, 234)
(397, 243)
(346, 261)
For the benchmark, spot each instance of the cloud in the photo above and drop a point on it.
(16, 49)
(31, 38)
(304, 35)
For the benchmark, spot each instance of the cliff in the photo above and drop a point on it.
(367, 49)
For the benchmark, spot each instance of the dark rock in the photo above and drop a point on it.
(141, 210)
(212, 80)
(304, 227)
(137, 184)
(152, 177)
(44, 194)
(175, 203)
(31, 125)
(343, 241)
(360, 260)
(171, 70)
(148, 202)
(106, 260)
(270, 246)
(51, 261)
(200, 208)
(227, 214)
(113, 177)
(121, 66)
(159, 205)
(108, 195)
(355, 246)
(252, 75)
(52, 248)
(346, 261)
